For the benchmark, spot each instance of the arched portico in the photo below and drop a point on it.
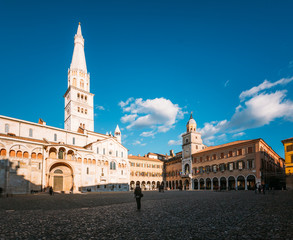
(215, 185)
(250, 182)
(223, 183)
(201, 184)
(208, 184)
(195, 185)
(231, 183)
(241, 183)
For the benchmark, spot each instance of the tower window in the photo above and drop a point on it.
(73, 140)
(104, 151)
(97, 150)
(81, 96)
(121, 154)
(74, 82)
(31, 132)
(78, 95)
(81, 110)
(55, 137)
(83, 125)
(186, 140)
(85, 98)
(85, 111)
(78, 109)
(6, 128)
(116, 153)
(81, 84)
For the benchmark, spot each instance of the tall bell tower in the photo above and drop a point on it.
(79, 102)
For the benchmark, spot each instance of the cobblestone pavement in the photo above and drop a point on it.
(169, 215)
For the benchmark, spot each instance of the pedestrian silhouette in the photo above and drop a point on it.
(138, 195)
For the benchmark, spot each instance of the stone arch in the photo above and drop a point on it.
(231, 183)
(12, 153)
(223, 183)
(186, 184)
(143, 185)
(195, 184)
(70, 155)
(61, 153)
(61, 176)
(137, 183)
(25, 155)
(33, 155)
(215, 183)
(132, 185)
(53, 153)
(148, 185)
(19, 154)
(3, 152)
(251, 182)
(208, 184)
(201, 184)
(240, 182)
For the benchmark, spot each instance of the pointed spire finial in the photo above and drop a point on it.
(191, 115)
(79, 23)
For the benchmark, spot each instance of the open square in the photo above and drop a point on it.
(168, 215)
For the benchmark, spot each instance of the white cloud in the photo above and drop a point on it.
(123, 104)
(177, 142)
(137, 142)
(265, 85)
(148, 134)
(100, 108)
(128, 118)
(261, 108)
(240, 134)
(159, 114)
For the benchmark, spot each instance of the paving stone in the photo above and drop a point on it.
(169, 215)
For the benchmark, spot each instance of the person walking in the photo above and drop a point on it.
(51, 191)
(138, 195)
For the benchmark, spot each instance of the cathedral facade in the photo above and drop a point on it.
(35, 156)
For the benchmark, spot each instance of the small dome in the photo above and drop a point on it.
(191, 120)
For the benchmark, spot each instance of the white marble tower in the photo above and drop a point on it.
(79, 102)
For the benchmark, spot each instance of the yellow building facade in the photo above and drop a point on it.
(146, 172)
(288, 148)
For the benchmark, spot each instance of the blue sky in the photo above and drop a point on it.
(152, 63)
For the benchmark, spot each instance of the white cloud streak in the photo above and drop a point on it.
(159, 115)
(261, 108)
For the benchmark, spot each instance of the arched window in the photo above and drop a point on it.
(78, 109)
(34, 155)
(61, 154)
(25, 155)
(85, 111)
(19, 154)
(6, 128)
(31, 132)
(81, 84)
(58, 171)
(3, 152)
(78, 95)
(85, 98)
(12, 153)
(112, 165)
(81, 110)
(74, 82)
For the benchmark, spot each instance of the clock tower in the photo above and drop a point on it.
(191, 143)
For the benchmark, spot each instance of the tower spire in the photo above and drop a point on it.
(78, 58)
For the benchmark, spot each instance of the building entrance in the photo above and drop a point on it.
(61, 178)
